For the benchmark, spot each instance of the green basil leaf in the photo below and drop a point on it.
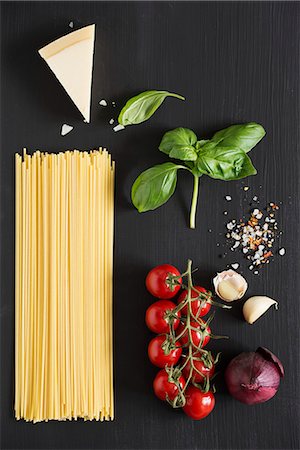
(244, 136)
(183, 152)
(200, 143)
(208, 147)
(178, 136)
(155, 186)
(141, 107)
(225, 163)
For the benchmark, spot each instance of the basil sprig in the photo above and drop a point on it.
(140, 108)
(224, 157)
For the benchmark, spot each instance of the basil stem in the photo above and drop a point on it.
(194, 202)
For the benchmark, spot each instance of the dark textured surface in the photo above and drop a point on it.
(234, 62)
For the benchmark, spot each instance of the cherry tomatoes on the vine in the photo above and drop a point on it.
(162, 387)
(198, 404)
(157, 319)
(161, 283)
(200, 335)
(199, 364)
(157, 355)
(196, 303)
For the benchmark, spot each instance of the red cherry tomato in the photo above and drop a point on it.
(163, 387)
(201, 367)
(156, 316)
(156, 353)
(159, 282)
(196, 304)
(199, 337)
(198, 404)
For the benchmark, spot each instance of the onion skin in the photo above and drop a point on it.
(254, 377)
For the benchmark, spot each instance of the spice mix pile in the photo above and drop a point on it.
(256, 236)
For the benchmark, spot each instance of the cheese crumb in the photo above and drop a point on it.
(111, 121)
(103, 102)
(246, 188)
(230, 225)
(235, 266)
(71, 24)
(282, 251)
(65, 129)
(228, 198)
(118, 127)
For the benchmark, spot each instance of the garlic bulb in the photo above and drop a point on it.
(230, 285)
(256, 306)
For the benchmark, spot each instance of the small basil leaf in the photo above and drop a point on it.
(200, 143)
(178, 136)
(155, 186)
(225, 163)
(183, 152)
(208, 147)
(141, 107)
(244, 136)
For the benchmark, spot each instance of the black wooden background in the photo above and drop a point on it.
(234, 62)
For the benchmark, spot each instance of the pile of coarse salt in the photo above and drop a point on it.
(256, 237)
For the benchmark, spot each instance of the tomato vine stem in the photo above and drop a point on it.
(193, 352)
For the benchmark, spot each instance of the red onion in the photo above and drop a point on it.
(254, 377)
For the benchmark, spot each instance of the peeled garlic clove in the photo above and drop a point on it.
(227, 291)
(230, 285)
(256, 306)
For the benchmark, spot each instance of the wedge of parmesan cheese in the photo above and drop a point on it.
(71, 60)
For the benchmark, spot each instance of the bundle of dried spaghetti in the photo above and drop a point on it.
(63, 277)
